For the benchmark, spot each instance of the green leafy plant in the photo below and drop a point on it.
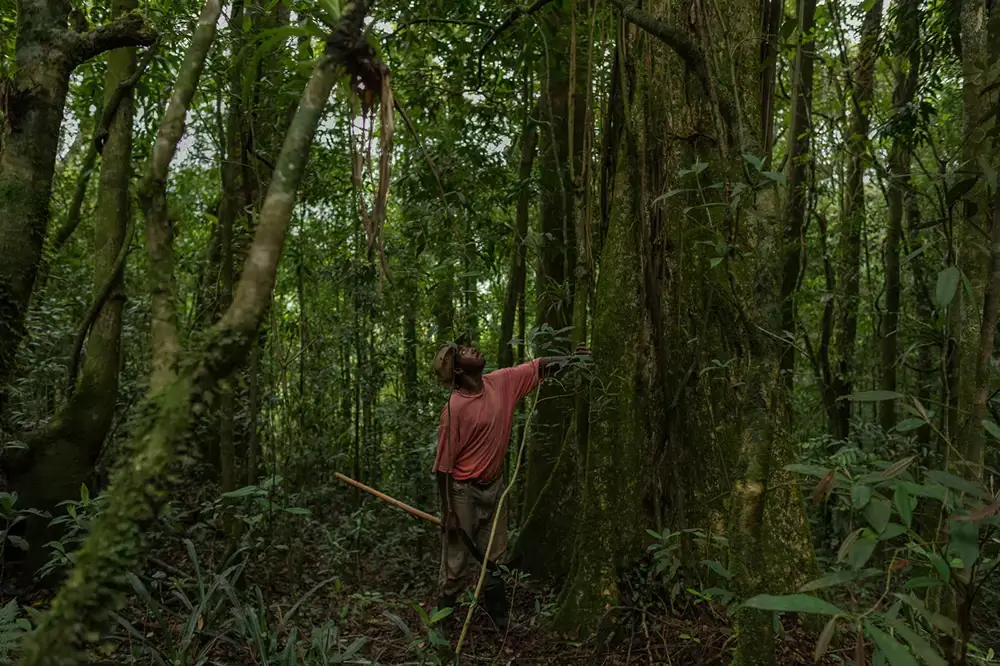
(74, 525)
(927, 539)
(12, 630)
(430, 645)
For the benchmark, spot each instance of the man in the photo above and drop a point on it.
(473, 435)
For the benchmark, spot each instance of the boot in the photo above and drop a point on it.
(495, 601)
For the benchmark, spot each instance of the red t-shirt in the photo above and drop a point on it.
(481, 424)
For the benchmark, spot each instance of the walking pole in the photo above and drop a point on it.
(417, 513)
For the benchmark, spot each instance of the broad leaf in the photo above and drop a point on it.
(963, 541)
(920, 647)
(878, 512)
(957, 483)
(838, 578)
(860, 496)
(860, 552)
(905, 503)
(793, 603)
(845, 545)
(824, 639)
(895, 652)
(947, 286)
(992, 428)
(960, 189)
(936, 620)
(908, 425)
(891, 531)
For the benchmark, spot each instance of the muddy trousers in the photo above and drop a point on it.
(475, 506)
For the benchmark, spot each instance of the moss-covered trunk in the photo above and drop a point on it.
(543, 547)
(64, 452)
(45, 55)
(97, 585)
(690, 425)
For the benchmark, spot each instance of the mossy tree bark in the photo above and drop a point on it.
(97, 585)
(543, 547)
(46, 53)
(691, 381)
(63, 453)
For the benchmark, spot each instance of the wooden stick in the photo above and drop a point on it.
(395, 502)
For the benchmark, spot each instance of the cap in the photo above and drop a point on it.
(444, 363)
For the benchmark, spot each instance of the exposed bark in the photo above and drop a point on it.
(544, 545)
(45, 55)
(799, 160)
(849, 247)
(97, 585)
(519, 257)
(771, 15)
(906, 50)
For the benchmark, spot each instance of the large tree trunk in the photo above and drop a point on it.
(665, 436)
(543, 547)
(45, 56)
(97, 585)
(63, 453)
(851, 228)
(906, 49)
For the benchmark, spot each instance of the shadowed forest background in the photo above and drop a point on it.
(232, 237)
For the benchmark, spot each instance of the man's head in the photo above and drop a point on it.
(453, 360)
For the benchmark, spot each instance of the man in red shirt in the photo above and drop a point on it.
(473, 435)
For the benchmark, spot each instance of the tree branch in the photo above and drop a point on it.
(511, 19)
(688, 51)
(129, 30)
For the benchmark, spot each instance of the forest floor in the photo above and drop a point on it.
(369, 570)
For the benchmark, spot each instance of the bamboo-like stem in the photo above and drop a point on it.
(391, 500)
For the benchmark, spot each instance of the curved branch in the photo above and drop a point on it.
(95, 310)
(511, 19)
(95, 148)
(688, 51)
(129, 30)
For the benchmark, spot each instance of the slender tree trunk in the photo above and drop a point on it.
(230, 211)
(799, 160)
(849, 249)
(64, 452)
(518, 267)
(907, 51)
(46, 53)
(973, 217)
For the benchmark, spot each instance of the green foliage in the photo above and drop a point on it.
(920, 532)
